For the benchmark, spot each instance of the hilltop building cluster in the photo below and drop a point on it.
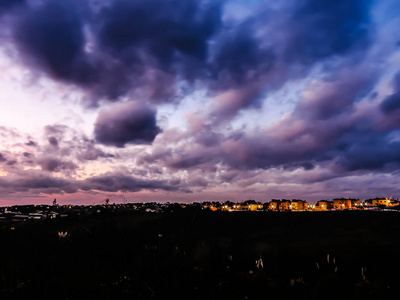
(301, 205)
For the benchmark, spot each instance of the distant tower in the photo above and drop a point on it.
(54, 202)
(107, 201)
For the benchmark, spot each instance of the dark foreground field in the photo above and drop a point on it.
(195, 254)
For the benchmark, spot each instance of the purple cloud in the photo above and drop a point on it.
(56, 165)
(7, 5)
(114, 182)
(126, 123)
(53, 141)
(326, 28)
(128, 51)
(42, 183)
(90, 152)
(51, 36)
(27, 154)
(391, 104)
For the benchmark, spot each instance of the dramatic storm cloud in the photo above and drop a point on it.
(199, 100)
(126, 123)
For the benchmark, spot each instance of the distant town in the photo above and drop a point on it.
(23, 213)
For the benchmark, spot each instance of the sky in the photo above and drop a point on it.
(194, 100)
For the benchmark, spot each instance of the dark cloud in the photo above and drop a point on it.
(42, 182)
(153, 48)
(354, 146)
(304, 165)
(11, 162)
(240, 57)
(189, 162)
(53, 141)
(229, 176)
(6, 5)
(27, 154)
(51, 36)
(307, 166)
(345, 142)
(126, 49)
(269, 49)
(198, 181)
(391, 104)
(227, 104)
(108, 182)
(368, 150)
(320, 29)
(56, 165)
(31, 143)
(209, 138)
(126, 123)
(175, 181)
(119, 182)
(149, 53)
(163, 30)
(90, 152)
(57, 130)
(396, 81)
(349, 148)
(334, 96)
(250, 153)
(2, 158)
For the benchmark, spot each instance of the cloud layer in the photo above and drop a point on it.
(210, 96)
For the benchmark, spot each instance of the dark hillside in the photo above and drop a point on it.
(196, 254)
